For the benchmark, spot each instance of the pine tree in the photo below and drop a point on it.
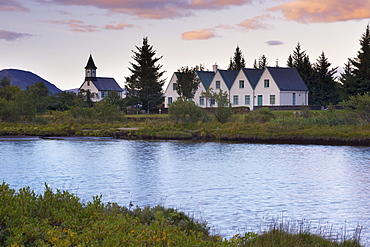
(144, 86)
(357, 78)
(262, 62)
(324, 89)
(301, 61)
(237, 62)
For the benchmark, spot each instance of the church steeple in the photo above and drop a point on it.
(90, 70)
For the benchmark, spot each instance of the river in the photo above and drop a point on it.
(235, 187)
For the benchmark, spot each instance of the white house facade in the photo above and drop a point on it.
(100, 86)
(272, 86)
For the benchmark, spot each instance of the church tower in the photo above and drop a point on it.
(90, 70)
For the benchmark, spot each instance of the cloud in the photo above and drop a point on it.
(153, 9)
(76, 25)
(12, 5)
(274, 42)
(10, 36)
(205, 33)
(317, 11)
(119, 26)
(255, 23)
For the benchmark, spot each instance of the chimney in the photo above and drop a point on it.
(215, 67)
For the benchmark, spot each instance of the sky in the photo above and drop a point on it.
(54, 38)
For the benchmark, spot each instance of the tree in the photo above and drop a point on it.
(39, 93)
(223, 111)
(262, 63)
(144, 86)
(237, 62)
(5, 82)
(187, 82)
(356, 79)
(301, 61)
(361, 104)
(324, 89)
(87, 97)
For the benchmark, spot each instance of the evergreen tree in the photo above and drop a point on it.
(5, 82)
(356, 79)
(144, 86)
(324, 90)
(237, 62)
(301, 61)
(187, 82)
(262, 62)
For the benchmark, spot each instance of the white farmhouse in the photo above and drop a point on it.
(99, 85)
(272, 86)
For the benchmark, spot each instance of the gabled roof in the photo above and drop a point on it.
(90, 63)
(106, 84)
(229, 77)
(253, 76)
(287, 79)
(206, 77)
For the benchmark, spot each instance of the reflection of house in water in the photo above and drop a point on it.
(99, 85)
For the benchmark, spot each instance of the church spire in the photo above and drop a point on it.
(90, 69)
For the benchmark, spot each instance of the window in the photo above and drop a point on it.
(169, 101)
(218, 84)
(294, 99)
(267, 83)
(247, 100)
(236, 100)
(174, 86)
(241, 84)
(213, 102)
(104, 93)
(201, 100)
(190, 99)
(272, 99)
(88, 83)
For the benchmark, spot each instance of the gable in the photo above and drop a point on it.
(206, 77)
(228, 76)
(253, 76)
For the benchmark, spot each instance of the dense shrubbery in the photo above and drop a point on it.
(60, 219)
(184, 111)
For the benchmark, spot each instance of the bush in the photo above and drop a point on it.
(183, 111)
(261, 115)
(361, 104)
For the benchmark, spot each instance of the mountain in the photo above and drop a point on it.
(23, 79)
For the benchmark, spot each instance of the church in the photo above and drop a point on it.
(101, 86)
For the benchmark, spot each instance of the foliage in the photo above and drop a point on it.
(184, 111)
(5, 82)
(356, 78)
(107, 112)
(38, 93)
(87, 97)
(261, 115)
(62, 101)
(187, 82)
(237, 62)
(144, 86)
(114, 99)
(59, 219)
(324, 89)
(262, 63)
(223, 111)
(361, 104)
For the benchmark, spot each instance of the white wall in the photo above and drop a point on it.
(241, 92)
(89, 85)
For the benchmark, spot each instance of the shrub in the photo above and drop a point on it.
(261, 115)
(183, 111)
(361, 104)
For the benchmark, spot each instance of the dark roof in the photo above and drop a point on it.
(206, 77)
(253, 76)
(229, 77)
(90, 63)
(287, 79)
(106, 84)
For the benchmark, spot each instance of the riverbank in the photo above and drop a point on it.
(274, 133)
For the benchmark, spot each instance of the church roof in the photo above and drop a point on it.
(90, 63)
(106, 84)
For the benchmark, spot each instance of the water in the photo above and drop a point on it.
(234, 186)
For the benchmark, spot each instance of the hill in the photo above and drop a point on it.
(23, 79)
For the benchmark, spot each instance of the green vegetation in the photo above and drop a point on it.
(60, 219)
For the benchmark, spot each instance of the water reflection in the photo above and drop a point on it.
(227, 184)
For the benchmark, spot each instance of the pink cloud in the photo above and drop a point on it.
(12, 5)
(10, 36)
(119, 26)
(153, 9)
(76, 25)
(198, 34)
(316, 11)
(255, 23)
